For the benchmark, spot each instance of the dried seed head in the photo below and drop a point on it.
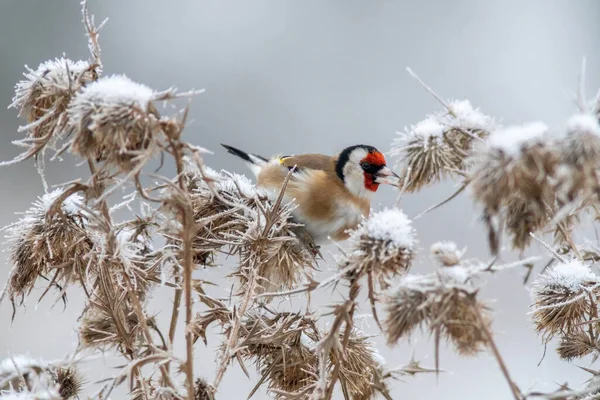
(43, 96)
(582, 141)
(461, 323)
(68, 379)
(115, 121)
(579, 155)
(203, 390)
(516, 159)
(290, 369)
(436, 146)
(382, 245)
(282, 348)
(563, 296)
(41, 244)
(99, 330)
(360, 364)
(269, 248)
(445, 302)
(576, 344)
(446, 253)
(521, 217)
(220, 221)
(406, 308)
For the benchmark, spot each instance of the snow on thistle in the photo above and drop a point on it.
(439, 145)
(382, 246)
(115, 121)
(50, 239)
(564, 297)
(43, 96)
(445, 302)
(511, 176)
(579, 151)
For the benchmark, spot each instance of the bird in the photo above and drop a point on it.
(332, 194)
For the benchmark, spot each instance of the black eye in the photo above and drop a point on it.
(365, 165)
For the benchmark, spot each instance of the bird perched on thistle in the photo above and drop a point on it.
(332, 193)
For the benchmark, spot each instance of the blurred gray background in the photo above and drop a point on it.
(315, 76)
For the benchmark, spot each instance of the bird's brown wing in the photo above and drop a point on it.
(309, 161)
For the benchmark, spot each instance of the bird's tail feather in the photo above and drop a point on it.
(255, 162)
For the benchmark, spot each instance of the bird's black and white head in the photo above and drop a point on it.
(363, 169)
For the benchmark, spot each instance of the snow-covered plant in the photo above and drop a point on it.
(526, 178)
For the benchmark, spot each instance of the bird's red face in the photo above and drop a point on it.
(376, 172)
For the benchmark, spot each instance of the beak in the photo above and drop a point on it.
(387, 176)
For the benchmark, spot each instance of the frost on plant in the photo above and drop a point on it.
(438, 146)
(50, 240)
(114, 121)
(526, 178)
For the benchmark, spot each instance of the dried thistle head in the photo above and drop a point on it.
(447, 253)
(68, 380)
(382, 246)
(290, 369)
(439, 145)
(465, 322)
(283, 349)
(217, 215)
(515, 159)
(360, 366)
(579, 155)
(407, 308)
(563, 296)
(270, 252)
(114, 121)
(521, 217)
(98, 329)
(43, 96)
(446, 303)
(47, 243)
(576, 344)
(203, 390)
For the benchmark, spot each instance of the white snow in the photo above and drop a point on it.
(236, 183)
(571, 275)
(447, 252)
(512, 139)
(61, 65)
(428, 127)
(37, 212)
(464, 116)
(22, 362)
(115, 89)
(468, 117)
(584, 123)
(71, 205)
(51, 75)
(389, 225)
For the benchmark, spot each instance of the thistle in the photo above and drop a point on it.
(45, 242)
(445, 302)
(563, 297)
(439, 145)
(43, 97)
(114, 121)
(382, 246)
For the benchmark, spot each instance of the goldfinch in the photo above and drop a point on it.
(332, 193)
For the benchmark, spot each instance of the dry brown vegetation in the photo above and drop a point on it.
(526, 179)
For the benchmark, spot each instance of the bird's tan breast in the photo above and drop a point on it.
(324, 204)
